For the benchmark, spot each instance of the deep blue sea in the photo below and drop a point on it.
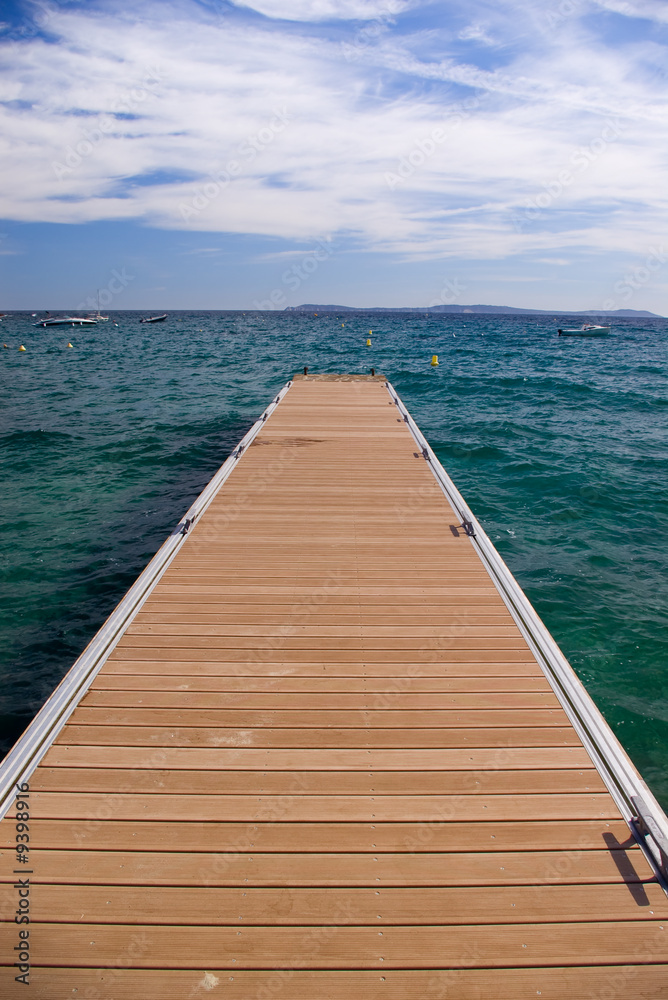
(559, 446)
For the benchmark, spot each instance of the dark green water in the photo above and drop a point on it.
(559, 445)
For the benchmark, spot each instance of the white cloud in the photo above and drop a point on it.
(237, 126)
(475, 33)
(651, 10)
(327, 10)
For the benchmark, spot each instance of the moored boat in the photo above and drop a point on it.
(153, 319)
(66, 321)
(586, 330)
(97, 316)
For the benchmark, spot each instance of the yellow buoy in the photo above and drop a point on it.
(368, 342)
(69, 345)
(21, 348)
(343, 324)
(5, 345)
(434, 361)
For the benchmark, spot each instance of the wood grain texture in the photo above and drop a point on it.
(322, 763)
(555, 983)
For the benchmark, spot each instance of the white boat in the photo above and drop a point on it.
(153, 319)
(97, 316)
(586, 330)
(66, 321)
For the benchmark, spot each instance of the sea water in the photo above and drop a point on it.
(559, 446)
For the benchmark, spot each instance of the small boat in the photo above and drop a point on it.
(153, 319)
(97, 316)
(586, 330)
(66, 321)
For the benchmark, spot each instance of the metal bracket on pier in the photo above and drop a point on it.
(468, 528)
(183, 527)
(647, 827)
(237, 453)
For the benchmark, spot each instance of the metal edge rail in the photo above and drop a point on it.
(31, 746)
(647, 821)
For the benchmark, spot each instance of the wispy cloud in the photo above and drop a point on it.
(647, 9)
(202, 251)
(180, 113)
(327, 10)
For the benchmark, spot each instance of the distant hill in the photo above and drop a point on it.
(497, 310)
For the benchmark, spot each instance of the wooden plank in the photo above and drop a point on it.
(328, 701)
(199, 736)
(298, 782)
(556, 983)
(247, 759)
(298, 602)
(340, 947)
(341, 615)
(240, 868)
(469, 718)
(385, 657)
(106, 833)
(359, 646)
(295, 808)
(107, 682)
(401, 594)
(273, 667)
(283, 608)
(337, 631)
(112, 904)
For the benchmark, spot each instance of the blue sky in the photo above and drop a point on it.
(206, 154)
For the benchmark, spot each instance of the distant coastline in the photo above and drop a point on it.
(479, 309)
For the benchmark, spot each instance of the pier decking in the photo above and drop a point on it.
(323, 761)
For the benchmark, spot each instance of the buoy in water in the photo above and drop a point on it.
(434, 361)
(21, 348)
(368, 342)
(5, 345)
(69, 345)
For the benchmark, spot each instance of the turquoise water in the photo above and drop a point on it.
(559, 446)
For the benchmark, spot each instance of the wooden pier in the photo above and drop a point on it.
(323, 762)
